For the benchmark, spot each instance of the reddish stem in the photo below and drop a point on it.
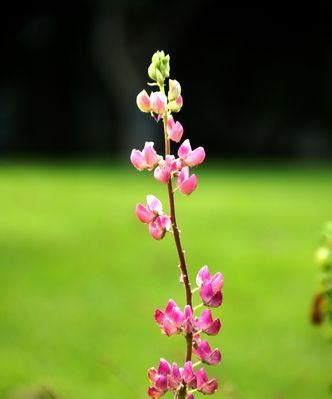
(176, 234)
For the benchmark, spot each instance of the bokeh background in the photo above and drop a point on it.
(80, 277)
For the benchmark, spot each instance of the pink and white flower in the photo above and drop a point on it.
(210, 287)
(158, 102)
(143, 101)
(152, 214)
(205, 354)
(191, 157)
(174, 129)
(185, 183)
(145, 159)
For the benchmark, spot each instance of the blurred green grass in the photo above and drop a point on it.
(80, 279)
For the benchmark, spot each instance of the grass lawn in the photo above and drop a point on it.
(81, 277)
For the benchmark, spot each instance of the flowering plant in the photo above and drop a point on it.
(184, 381)
(322, 304)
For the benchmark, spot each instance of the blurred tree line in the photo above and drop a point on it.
(256, 81)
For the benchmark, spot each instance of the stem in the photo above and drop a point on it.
(176, 234)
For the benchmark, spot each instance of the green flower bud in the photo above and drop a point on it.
(152, 72)
(160, 79)
(175, 105)
(159, 63)
(174, 89)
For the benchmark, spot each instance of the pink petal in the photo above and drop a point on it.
(170, 305)
(144, 214)
(214, 328)
(209, 387)
(159, 316)
(152, 374)
(143, 101)
(184, 149)
(138, 160)
(154, 204)
(177, 316)
(202, 276)
(217, 282)
(214, 357)
(161, 383)
(183, 175)
(162, 173)
(164, 222)
(205, 319)
(154, 393)
(169, 328)
(158, 102)
(203, 350)
(189, 185)
(201, 378)
(164, 367)
(188, 373)
(150, 154)
(174, 130)
(216, 300)
(196, 157)
(206, 294)
(156, 231)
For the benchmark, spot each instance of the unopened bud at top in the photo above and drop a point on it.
(174, 89)
(159, 67)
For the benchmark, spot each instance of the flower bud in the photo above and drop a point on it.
(159, 67)
(174, 89)
(158, 102)
(175, 105)
(152, 72)
(174, 129)
(143, 101)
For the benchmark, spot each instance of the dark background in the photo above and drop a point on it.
(256, 80)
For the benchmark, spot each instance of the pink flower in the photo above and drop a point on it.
(189, 322)
(185, 183)
(170, 378)
(143, 101)
(191, 158)
(188, 375)
(174, 129)
(153, 214)
(210, 287)
(164, 170)
(159, 379)
(203, 352)
(158, 102)
(171, 320)
(206, 323)
(159, 226)
(204, 385)
(146, 159)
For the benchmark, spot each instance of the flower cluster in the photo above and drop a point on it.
(175, 321)
(172, 378)
(184, 381)
(322, 306)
